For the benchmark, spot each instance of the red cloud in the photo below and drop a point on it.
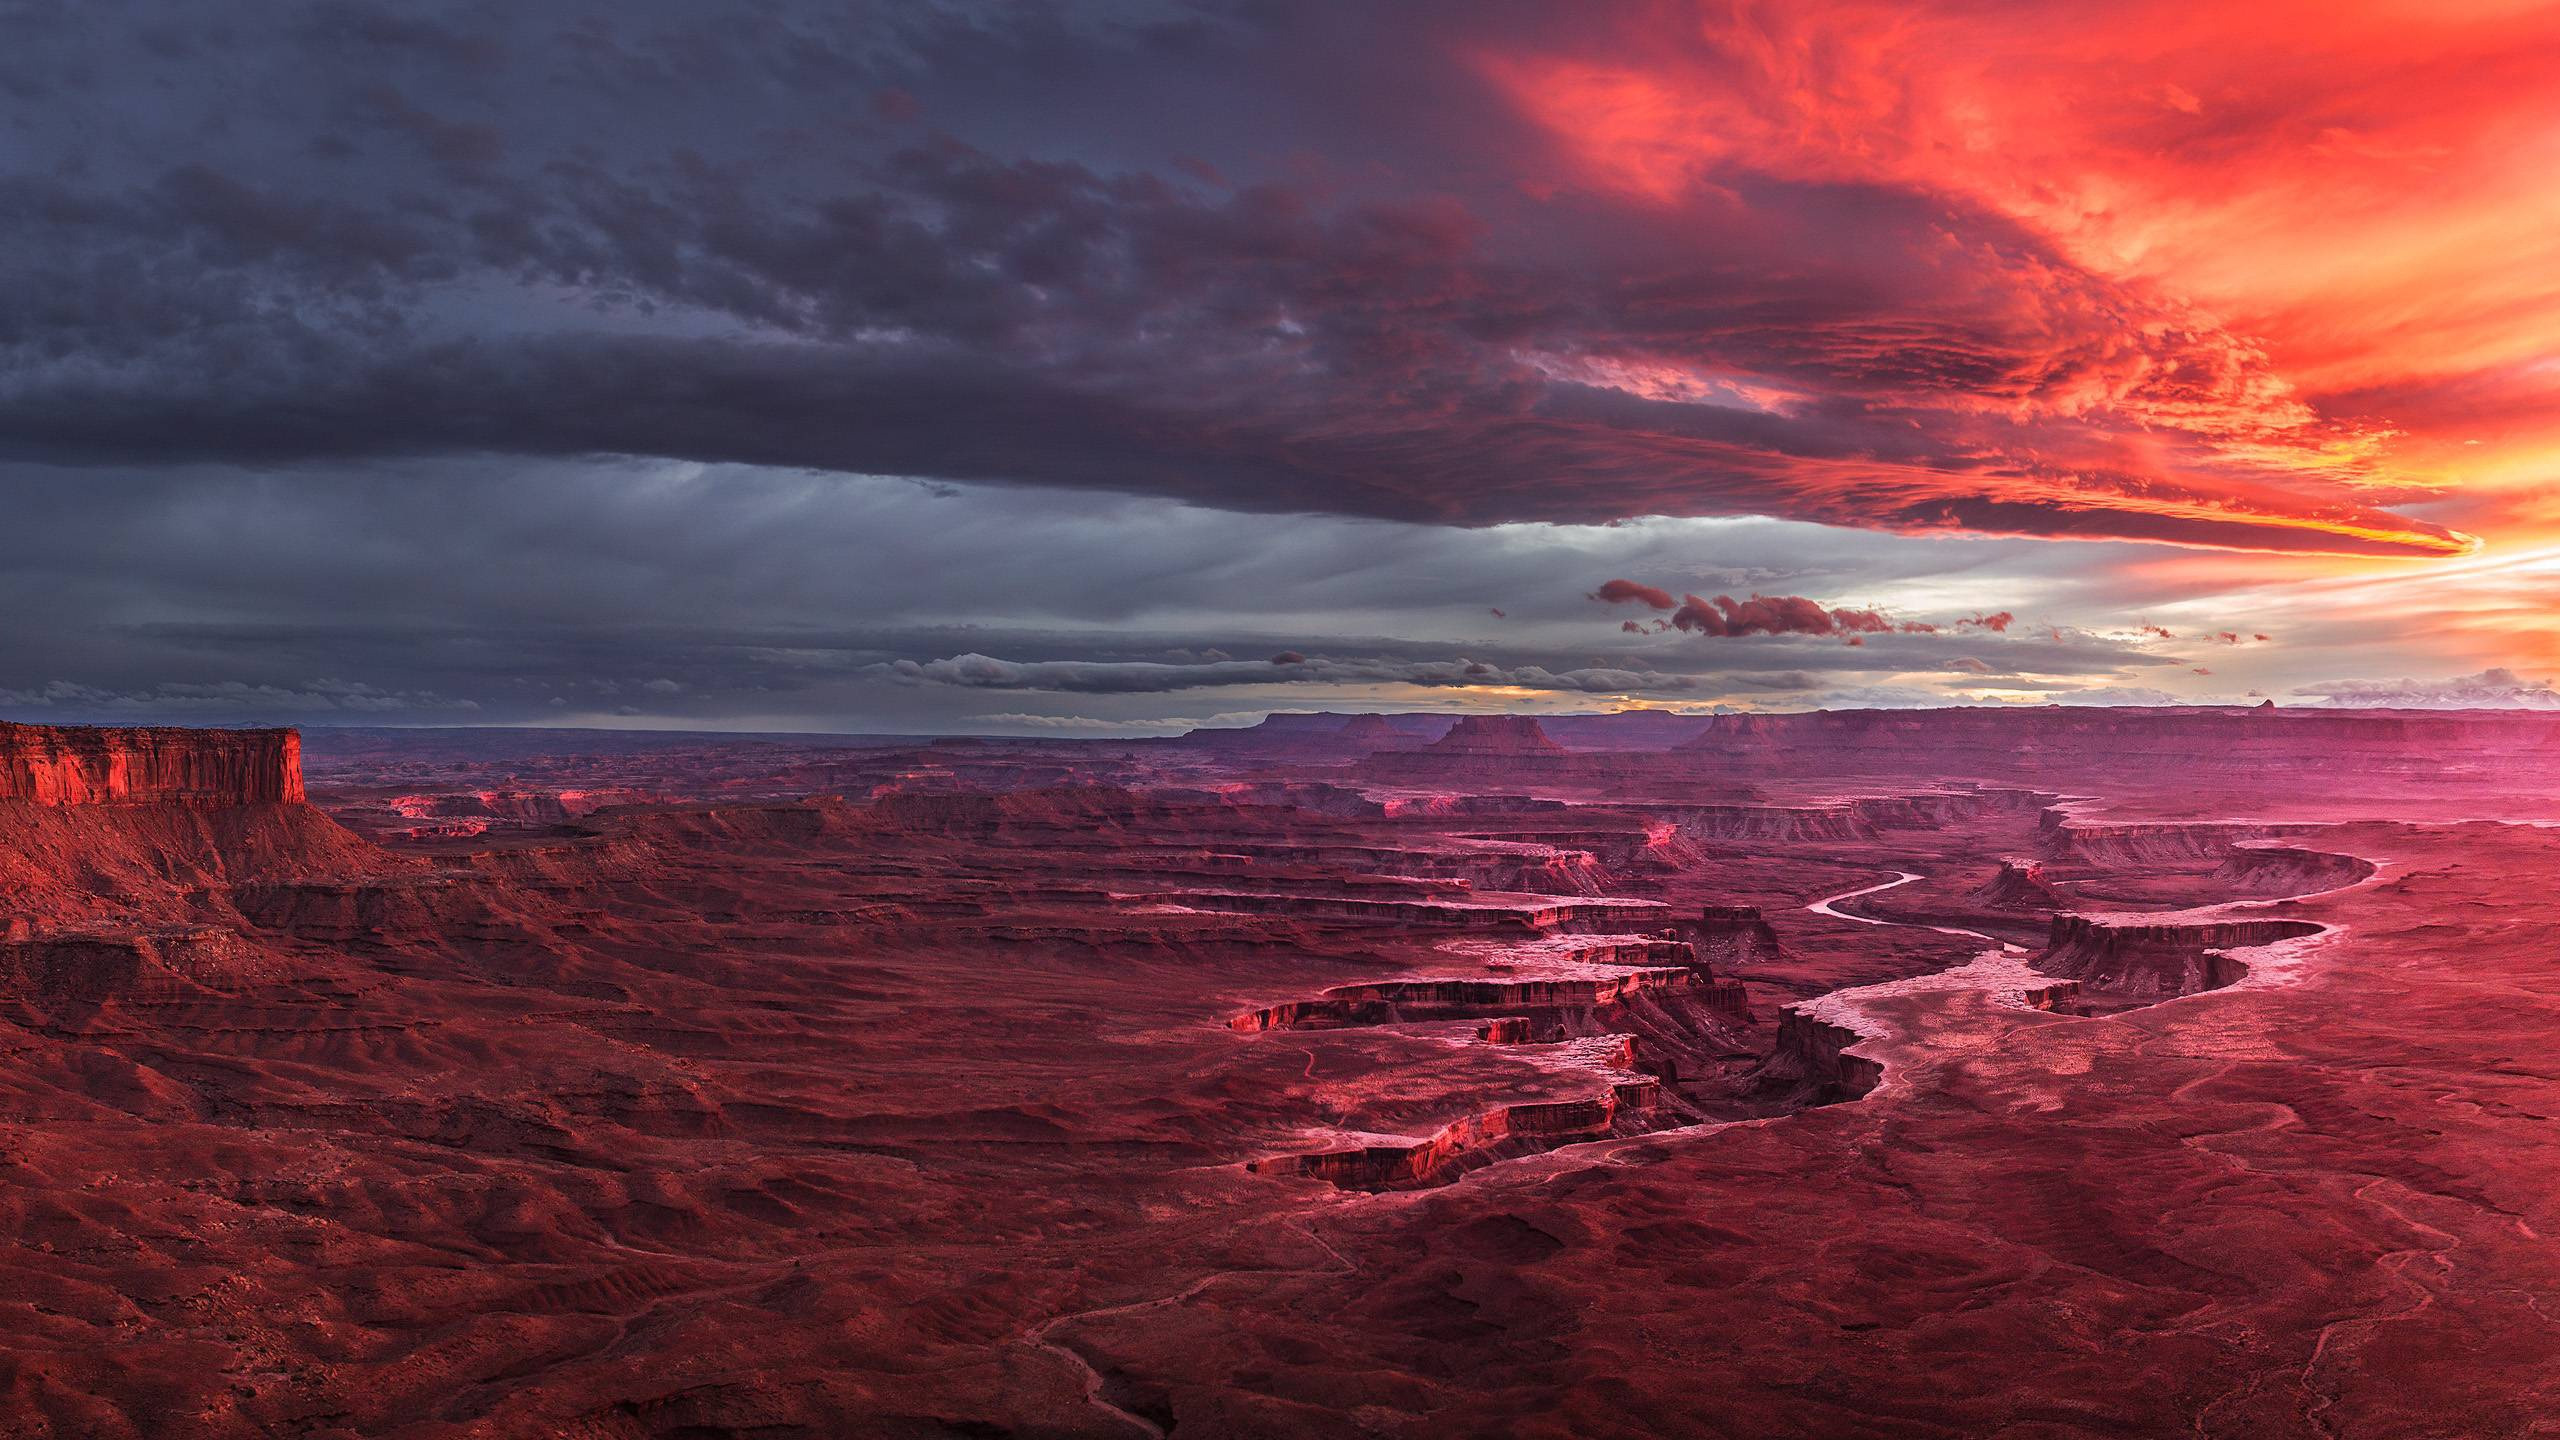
(1619, 592)
(2169, 374)
(1760, 615)
(1772, 615)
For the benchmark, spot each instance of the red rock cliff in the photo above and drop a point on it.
(88, 765)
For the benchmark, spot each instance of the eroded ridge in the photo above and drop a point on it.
(1684, 1024)
(1637, 1012)
(1628, 1107)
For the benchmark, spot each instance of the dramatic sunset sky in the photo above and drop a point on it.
(1121, 367)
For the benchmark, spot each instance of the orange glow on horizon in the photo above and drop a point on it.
(2342, 227)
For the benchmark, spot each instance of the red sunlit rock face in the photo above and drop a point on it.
(57, 765)
(1997, 1073)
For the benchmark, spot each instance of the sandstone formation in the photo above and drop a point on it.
(1373, 732)
(1813, 1055)
(79, 765)
(1496, 735)
(2130, 956)
(1476, 1141)
(2019, 885)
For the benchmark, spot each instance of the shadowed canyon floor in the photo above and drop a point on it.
(1934, 1074)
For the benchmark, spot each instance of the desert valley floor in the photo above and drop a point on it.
(2043, 1073)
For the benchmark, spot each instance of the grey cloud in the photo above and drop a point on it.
(986, 672)
(235, 698)
(510, 586)
(2498, 688)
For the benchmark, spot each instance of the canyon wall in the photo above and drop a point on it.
(86, 765)
(1812, 1056)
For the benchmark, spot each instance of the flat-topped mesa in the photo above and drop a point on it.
(1323, 733)
(108, 831)
(1642, 731)
(1375, 731)
(68, 765)
(2268, 869)
(1496, 735)
(2149, 842)
(2158, 958)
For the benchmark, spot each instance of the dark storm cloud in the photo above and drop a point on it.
(1263, 258)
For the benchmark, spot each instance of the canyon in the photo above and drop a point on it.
(2019, 1072)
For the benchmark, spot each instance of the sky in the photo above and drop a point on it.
(1116, 368)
